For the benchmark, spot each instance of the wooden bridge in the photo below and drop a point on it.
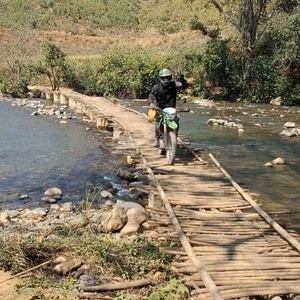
(228, 248)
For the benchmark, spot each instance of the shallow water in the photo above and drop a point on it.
(243, 155)
(37, 152)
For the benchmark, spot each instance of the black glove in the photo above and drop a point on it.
(183, 81)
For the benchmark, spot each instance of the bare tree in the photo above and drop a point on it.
(251, 19)
(16, 49)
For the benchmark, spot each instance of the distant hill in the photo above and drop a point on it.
(90, 27)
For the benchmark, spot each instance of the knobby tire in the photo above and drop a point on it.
(171, 147)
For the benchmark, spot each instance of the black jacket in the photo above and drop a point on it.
(164, 96)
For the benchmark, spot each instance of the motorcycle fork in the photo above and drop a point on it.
(166, 133)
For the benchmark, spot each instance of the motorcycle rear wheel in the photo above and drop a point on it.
(171, 147)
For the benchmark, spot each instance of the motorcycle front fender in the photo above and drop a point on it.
(172, 124)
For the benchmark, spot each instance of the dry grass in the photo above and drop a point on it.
(83, 46)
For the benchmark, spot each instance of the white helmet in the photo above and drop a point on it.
(165, 76)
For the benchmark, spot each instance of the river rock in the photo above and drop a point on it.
(289, 132)
(105, 194)
(4, 217)
(277, 101)
(39, 211)
(278, 161)
(60, 259)
(110, 203)
(13, 213)
(116, 220)
(68, 266)
(289, 125)
(48, 199)
(53, 191)
(54, 207)
(241, 130)
(67, 207)
(125, 174)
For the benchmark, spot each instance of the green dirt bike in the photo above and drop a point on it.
(168, 130)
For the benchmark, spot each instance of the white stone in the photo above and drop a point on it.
(105, 194)
(48, 199)
(289, 125)
(241, 130)
(53, 191)
(276, 101)
(278, 161)
(268, 164)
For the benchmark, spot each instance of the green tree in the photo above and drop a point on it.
(251, 18)
(53, 65)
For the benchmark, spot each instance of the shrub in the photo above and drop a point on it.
(260, 80)
(16, 88)
(123, 74)
(195, 24)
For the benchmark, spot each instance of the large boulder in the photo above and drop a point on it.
(116, 220)
(130, 228)
(136, 215)
(128, 205)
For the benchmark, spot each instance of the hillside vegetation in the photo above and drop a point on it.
(116, 48)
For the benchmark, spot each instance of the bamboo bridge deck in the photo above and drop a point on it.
(228, 248)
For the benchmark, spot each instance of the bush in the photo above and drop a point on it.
(195, 24)
(260, 81)
(122, 74)
(16, 88)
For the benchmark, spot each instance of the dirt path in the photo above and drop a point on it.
(7, 286)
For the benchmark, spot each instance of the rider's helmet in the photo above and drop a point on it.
(165, 77)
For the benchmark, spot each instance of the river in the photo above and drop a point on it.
(37, 152)
(243, 155)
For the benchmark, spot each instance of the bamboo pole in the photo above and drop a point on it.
(117, 286)
(274, 224)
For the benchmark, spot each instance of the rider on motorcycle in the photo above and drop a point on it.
(164, 95)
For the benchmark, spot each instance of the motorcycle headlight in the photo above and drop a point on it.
(171, 117)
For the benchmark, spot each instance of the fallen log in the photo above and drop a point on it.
(117, 286)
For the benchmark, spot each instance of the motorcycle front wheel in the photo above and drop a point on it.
(171, 147)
